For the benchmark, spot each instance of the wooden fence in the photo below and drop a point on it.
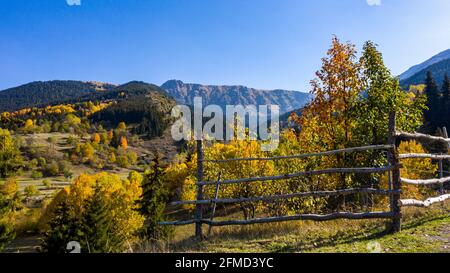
(394, 191)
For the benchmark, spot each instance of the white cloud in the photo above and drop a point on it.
(73, 2)
(374, 2)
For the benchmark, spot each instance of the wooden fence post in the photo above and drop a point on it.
(441, 174)
(396, 181)
(446, 135)
(199, 207)
(442, 167)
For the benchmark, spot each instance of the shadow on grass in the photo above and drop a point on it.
(360, 236)
(305, 242)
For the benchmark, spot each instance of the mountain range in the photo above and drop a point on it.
(38, 94)
(222, 95)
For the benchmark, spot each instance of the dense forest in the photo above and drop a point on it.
(438, 113)
(439, 71)
(139, 111)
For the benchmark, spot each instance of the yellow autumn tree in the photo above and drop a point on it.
(327, 122)
(422, 168)
(234, 170)
(122, 126)
(120, 196)
(110, 135)
(29, 124)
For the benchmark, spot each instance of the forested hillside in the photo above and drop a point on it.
(37, 94)
(438, 70)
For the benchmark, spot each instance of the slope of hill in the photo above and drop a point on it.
(233, 95)
(445, 55)
(37, 94)
(144, 105)
(438, 70)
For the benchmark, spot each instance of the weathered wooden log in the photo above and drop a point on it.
(426, 182)
(348, 150)
(430, 156)
(312, 217)
(286, 196)
(424, 204)
(422, 137)
(301, 174)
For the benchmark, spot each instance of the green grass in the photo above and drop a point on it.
(424, 231)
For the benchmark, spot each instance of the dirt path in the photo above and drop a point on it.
(24, 245)
(444, 237)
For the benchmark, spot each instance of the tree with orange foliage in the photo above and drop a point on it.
(96, 138)
(335, 90)
(123, 143)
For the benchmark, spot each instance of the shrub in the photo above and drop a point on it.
(122, 161)
(47, 184)
(132, 158)
(36, 175)
(31, 191)
(52, 169)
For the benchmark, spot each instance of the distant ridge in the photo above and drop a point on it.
(43, 93)
(445, 55)
(438, 65)
(223, 95)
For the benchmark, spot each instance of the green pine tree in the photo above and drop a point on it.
(97, 225)
(153, 202)
(432, 115)
(64, 228)
(6, 234)
(446, 101)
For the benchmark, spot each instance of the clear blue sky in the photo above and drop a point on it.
(259, 43)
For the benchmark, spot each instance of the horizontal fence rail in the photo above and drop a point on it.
(426, 182)
(426, 203)
(312, 217)
(422, 137)
(302, 174)
(348, 150)
(418, 156)
(286, 196)
(430, 201)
